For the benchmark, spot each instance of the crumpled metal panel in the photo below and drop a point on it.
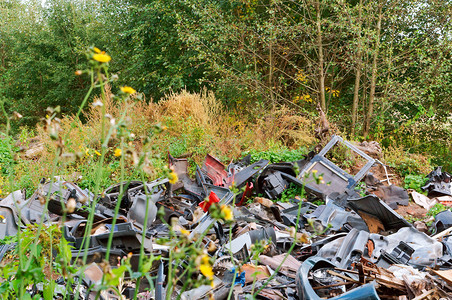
(373, 206)
(336, 216)
(439, 183)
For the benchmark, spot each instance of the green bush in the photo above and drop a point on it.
(277, 155)
(436, 209)
(415, 182)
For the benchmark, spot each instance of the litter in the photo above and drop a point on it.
(330, 242)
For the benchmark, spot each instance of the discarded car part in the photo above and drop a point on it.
(8, 222)
(180, 166)
(247, 193)
(439, 183)
(276, 178)
(443, 221)
(64, 189)
(314, 248)
(307, 292)
(176, 207)
(15, 207)
(97, 254)
(226, 197)
(240, 178)
(272, 185)
(240, 246)
(124, 238)
(392, 195)
(213, 198)
(377, 214)
(215, 170)
(112, 193)
(339, 179)
(336, 217)
(400, 255)
(289, 215)
(426, 249)
(352, 248)
(137, 211)
(131, 190)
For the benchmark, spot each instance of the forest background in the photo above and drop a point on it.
(233, 77)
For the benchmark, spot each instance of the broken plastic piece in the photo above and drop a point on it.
(213, 198)
(400, 255)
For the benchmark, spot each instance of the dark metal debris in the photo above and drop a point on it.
(329, 242)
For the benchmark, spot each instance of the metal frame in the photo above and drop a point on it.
(320, 158)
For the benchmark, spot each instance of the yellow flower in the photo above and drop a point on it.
(128, 90)
(118, 152)
(227, 212)
(314, 171)
(172, 176)
(301, 77)
(205, 259)
(87, 151)
(184, 232)
(103, 58)
(97, 50)
(307, 98)
(97, 152)
(206, 270)
(320, 177)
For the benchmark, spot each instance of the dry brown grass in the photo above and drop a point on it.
(288, 127)
(197, 124)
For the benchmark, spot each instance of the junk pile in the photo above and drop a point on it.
(352, 244)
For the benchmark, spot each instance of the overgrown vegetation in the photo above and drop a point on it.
(225, 78)
(436, 209)
(379, 70)
(415, 182)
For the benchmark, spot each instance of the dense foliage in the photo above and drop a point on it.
(378, 69)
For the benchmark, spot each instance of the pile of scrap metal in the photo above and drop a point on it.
(354, 246)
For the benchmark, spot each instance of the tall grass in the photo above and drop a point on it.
(195, 124)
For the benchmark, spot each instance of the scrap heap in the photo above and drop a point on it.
(331, 241)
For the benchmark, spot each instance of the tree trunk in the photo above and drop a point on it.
(373, 82)
(321, 59)
(2, 54)
(270, 59)
(358, 72)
